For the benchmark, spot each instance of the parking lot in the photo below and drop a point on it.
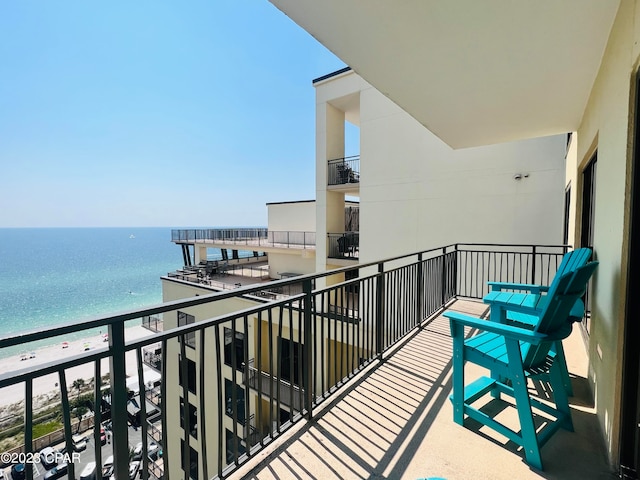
(85, 456)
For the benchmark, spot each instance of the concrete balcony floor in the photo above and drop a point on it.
(395, 421)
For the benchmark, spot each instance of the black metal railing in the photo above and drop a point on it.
(247, 237)
(305, 347)
(228, 235)
(343, 245)
(342, 171)
(153, 323)
(504, 263)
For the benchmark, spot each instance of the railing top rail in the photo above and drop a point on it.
(105, 320)
(519, 245)
(352, 157)
(38, 370)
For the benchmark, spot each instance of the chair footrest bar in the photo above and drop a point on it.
(478, 389)
(485, 419)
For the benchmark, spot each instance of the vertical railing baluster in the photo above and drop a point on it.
(379, 310)
(324, 378)
(443, 277)
(201, 407)
(222, 444)
(119, 399)
(142, 388)
(271, 367)
(258, 377)
(28, 425)
(66, 419)
(97, 414)
(247, 403)
(163, 409)
(184, 373)
(533, 267)
(279, 340)
(307, 358)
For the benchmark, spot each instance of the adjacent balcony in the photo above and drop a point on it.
(365, 363)
(343, 171)
(249, 238)
(344, 246)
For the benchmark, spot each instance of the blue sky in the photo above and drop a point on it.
(154, 113)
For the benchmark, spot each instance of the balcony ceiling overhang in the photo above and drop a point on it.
(473, 72)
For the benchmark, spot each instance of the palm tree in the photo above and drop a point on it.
(78, 385)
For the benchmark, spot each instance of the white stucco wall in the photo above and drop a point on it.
(301, 263)
(292, 216)
(605, 126)
(418, 193)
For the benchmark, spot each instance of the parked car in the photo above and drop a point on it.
(137, 452)
(18, 471)
(133, 469)
(58, 471)
(89, 472)
(49, 457)
(79, 443)
(107, 468)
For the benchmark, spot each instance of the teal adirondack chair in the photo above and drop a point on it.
(527, 306)
(512, 355)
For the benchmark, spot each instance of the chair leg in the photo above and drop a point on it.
(523, 404)
(556, 378)
(562, 364)
(457, 396)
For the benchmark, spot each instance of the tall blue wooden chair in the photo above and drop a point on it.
(529, 299)
(512, 355)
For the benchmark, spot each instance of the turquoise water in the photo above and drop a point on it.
(52, 276)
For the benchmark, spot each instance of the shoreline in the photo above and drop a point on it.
(46, 388)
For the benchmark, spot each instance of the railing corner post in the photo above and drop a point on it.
(444, 276)
(308, 339)
(420, 292)
(379, 310)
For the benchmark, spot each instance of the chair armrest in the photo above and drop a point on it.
(529, 287)
(528, 303)
(457, 320)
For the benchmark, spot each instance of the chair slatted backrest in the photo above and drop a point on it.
(554, 319)
(570, 262)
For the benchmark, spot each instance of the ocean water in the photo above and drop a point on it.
(52, 276)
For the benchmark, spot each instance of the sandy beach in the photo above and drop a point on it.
(46, 387)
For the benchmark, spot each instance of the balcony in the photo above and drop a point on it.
(343, 171)
(249, 238)
(344, 246)
(370, 390)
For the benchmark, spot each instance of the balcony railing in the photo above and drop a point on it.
(343, 245)
(247, 237)
(343, 171)
(228, 235)
(315, 330)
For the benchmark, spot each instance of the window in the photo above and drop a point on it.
(588, 224)
(193, 460)
(191, 374)
(588, 202)
(291, 360)
(234, 447)
(186, 319)
(193, 418)
(567, 204)
(234, 348)
(239, 408)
